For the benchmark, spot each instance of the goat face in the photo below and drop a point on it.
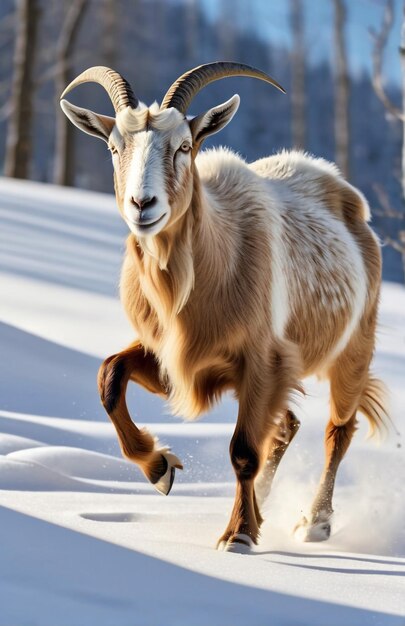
(154, 147)
(153, 152)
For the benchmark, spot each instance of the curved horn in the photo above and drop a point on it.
(119, 90)
(185, 88)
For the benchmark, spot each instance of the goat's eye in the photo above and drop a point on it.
(113, 150)
(185, 147)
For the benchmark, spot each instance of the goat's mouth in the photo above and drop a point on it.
(144, 225)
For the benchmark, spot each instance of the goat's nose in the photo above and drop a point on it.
(144, 203)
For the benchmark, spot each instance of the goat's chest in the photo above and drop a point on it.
(198, 370)
(192, 347)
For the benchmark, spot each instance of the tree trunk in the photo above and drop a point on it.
(298, 74)
(64, 147)
(342, 88)
(109, 19)
(191, 34)
(19, 139)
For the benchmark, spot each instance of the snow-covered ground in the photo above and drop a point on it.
(86, 540)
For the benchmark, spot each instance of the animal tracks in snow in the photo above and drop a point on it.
(122, 518)
(159, 517)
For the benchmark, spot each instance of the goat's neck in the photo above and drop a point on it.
(199, 244)
(214, 235)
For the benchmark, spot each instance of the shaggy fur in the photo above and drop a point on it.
(263, 274)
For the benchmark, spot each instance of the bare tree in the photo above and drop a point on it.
(342, 90)
(19, 139)
(298, 74)
(63, 168)
(380, 42)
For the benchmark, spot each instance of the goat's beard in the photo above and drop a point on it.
(168, 271)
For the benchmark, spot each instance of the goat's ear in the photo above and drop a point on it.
(213, 120)
(88, 121)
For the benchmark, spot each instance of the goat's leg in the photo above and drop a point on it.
(243, 527)
(349, 378)
(262, 397)
(287, 429)
(337, 441)
(158, 464)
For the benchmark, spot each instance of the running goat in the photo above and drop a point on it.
(237, 276)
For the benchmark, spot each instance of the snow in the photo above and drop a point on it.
(86, 540)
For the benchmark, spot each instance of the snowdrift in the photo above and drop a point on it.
(86, 540)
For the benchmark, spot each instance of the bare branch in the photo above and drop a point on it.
(395, 245)
(73, 17)
(387, 210)
(380, 42)
(63, 165)
(63, 66)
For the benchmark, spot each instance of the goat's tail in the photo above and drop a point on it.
(373, 404)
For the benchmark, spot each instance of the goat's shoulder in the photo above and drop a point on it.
(230, 182)
(220, 166)
(303, 176)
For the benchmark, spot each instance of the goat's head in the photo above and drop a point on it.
(153, 148)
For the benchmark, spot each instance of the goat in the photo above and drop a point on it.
(237, 276)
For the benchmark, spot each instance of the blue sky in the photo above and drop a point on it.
(271, 21)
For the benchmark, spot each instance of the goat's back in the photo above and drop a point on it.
(315, 179)
(332, 261)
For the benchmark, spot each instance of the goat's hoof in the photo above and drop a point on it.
(162, 476)
(307, 532)
(239, 544)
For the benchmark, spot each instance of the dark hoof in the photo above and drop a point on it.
(165, 484)
(239, 544)
(163, 473)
